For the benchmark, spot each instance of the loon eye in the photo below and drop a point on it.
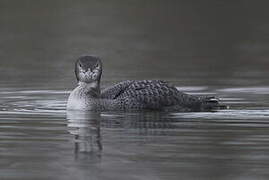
(80, 65)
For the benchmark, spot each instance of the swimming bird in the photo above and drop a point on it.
(129, 95)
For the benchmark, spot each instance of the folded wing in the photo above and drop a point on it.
(152, 94)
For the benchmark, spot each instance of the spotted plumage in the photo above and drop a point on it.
(130, 94)
(154, 95)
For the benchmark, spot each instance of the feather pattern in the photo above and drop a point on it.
(130, 94)
(152, 94)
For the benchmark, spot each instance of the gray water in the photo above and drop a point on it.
(204, 48)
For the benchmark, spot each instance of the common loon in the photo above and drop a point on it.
(130, 94)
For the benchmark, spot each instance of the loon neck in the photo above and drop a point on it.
(92, 89)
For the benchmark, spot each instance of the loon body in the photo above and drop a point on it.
(129, 95)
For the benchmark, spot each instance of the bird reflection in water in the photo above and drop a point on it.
(85, 127)
(132, 131)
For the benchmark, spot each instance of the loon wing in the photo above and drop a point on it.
(152, 94)
(156, 94)
(114, 91)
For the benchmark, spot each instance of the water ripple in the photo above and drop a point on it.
(37, 133)
(252, 90)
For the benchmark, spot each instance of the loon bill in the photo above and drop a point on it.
(131, 94)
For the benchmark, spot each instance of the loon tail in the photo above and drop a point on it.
(212, 103)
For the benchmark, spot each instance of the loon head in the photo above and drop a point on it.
(88, 69)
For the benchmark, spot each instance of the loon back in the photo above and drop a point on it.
(157, 95)
(130, 95)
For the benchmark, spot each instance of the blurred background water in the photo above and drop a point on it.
(203, 47)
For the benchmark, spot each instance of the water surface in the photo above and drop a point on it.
(204, 48)
(39, 139)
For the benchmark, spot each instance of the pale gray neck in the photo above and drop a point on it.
(91, 89)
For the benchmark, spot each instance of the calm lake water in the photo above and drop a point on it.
(203, 48)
